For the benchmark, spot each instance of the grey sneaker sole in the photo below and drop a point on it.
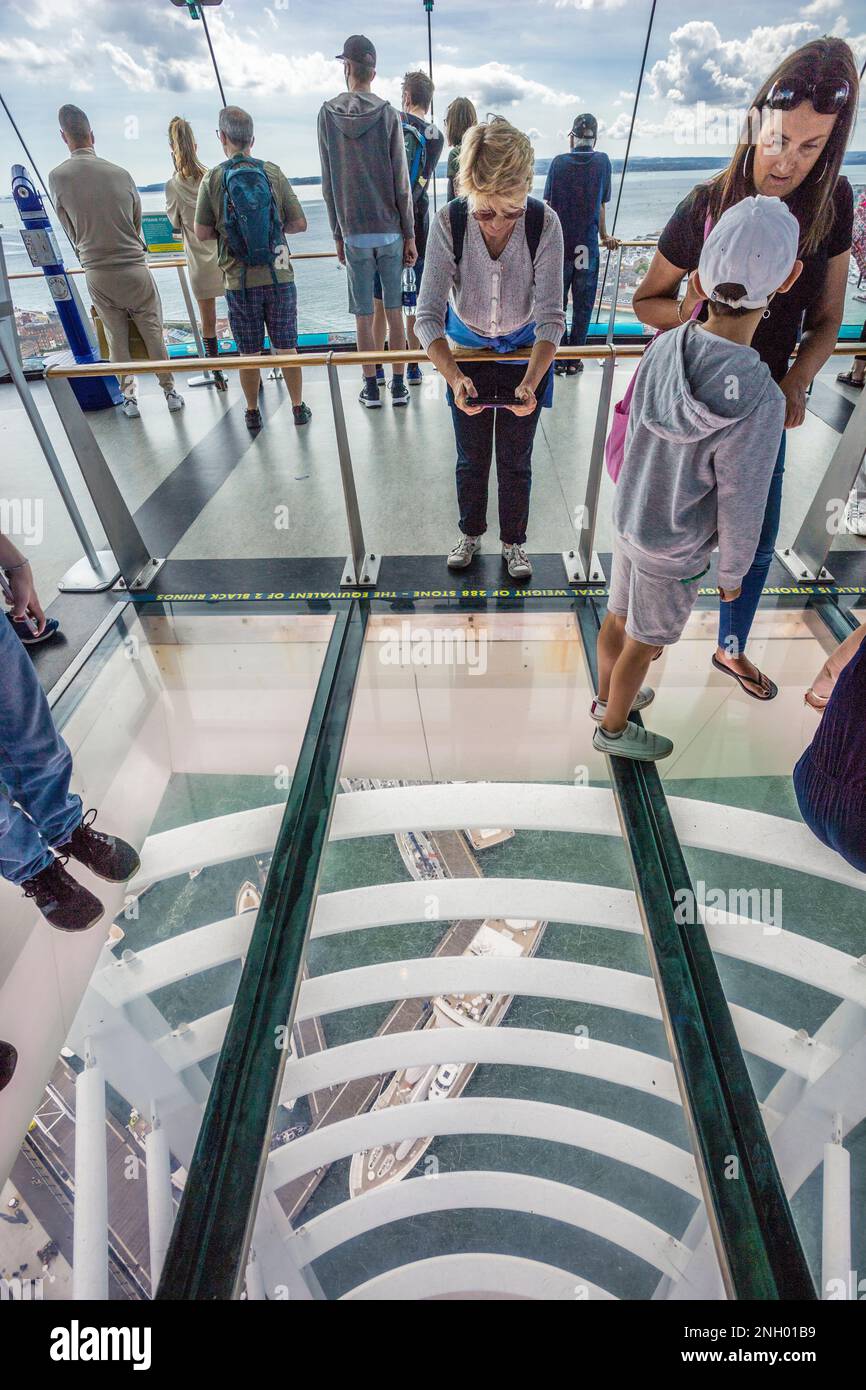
(462, 564)
(625, 747)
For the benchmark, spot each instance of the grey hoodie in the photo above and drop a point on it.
(365, 180)
(704, 430)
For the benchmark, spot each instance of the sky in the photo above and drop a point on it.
(133, 64)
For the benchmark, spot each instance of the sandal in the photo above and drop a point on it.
(849, 379)
(744, 682)
(816, 701)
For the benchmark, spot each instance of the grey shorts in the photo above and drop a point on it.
(655, 610)
(362, 263)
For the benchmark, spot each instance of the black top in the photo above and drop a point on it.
(775, 337)
(839, 746)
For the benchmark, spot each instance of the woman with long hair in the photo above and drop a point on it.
(461, 114)
(181, 192)
(799, 126)
(493, 280)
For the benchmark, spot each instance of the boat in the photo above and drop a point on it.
(504, 937)
(248, 898)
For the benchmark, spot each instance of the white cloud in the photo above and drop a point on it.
(447, 48)
(494, 84)
(588, 4)
(701, 66)
(818, 7)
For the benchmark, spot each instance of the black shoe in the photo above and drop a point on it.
(62, 900)
(28, 636)
(574, 368)
(559, 368)
(8, 1062)
(370, 394)
(302, 414)
(220, 380)
(253, 420)
(107, 856)
(399, 391)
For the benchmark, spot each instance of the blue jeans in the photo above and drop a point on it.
(36, 809)
(513, 436)
(735, 619)
(583, 285)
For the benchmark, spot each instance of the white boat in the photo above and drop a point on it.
(388, 1163)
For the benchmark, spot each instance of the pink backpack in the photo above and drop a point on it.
(614, 446)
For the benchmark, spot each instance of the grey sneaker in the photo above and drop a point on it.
(517, 561)
(130, 408)
(644, 697)
(460, 556)
(634, 742)
(174, 401)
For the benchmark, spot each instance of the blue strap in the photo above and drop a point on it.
(464, 336)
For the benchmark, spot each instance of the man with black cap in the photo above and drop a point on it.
(577, 188)
(365, 185)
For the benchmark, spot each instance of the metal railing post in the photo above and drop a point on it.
(583, 565)
(205, 378)
(805, 558)
(137, 566)
(362, 568)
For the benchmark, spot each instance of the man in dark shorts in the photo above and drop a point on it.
(577, 188)
(260, 298)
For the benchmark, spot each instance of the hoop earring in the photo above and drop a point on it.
(823, 171)
(746, 160)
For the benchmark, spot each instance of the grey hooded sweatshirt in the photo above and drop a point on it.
(704, 430)
(365, 180)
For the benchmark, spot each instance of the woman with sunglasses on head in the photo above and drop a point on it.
(799, 127)
(493, 281)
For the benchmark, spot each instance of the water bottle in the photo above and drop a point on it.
(410, 292)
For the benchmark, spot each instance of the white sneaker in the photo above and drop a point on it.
(174, 400)
(644, 697)
(641, 745)
(855, 515)
(130, 408)
(517, 561)
(460, 555)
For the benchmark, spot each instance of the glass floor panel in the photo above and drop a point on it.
(479, 1100)
(184, 731)
(786, 917)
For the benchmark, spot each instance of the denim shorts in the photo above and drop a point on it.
(362, 264)
(271, 307)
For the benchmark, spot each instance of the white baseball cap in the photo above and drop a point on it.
(753, 244)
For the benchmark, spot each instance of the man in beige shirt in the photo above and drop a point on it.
(100, 211)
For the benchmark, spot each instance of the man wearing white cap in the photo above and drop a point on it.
(703, 434)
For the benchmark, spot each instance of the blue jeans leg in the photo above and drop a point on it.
(735, 619)
(583, 285)
(36, 808)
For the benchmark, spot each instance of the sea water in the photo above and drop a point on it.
(648, 200)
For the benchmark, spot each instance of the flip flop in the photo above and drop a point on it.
(766, 684)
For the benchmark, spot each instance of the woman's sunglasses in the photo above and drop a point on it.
(488, 214)
(827, 97)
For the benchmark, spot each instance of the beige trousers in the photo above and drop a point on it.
(123, 292)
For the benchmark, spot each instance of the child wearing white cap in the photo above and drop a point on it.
(703, 434)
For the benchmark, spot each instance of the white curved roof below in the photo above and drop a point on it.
(492, 1276)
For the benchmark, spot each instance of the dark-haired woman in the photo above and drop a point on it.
(800, 125)
(461, 114)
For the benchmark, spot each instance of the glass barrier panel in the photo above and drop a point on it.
(184, 728)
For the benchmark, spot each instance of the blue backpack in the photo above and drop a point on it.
(250, 217)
